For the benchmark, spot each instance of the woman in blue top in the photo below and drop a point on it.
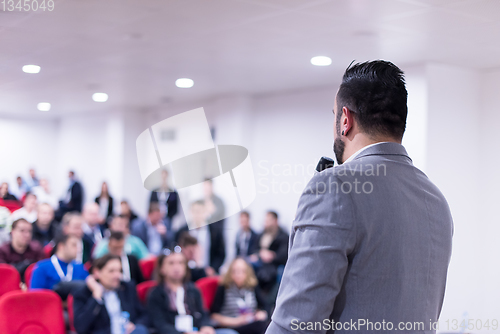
(60, 267)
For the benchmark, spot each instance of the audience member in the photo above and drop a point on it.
(246, 238)
(43, 194)
(44, 228)
(130, 264)
(273, 252)
(126, 210)
(92, 222)
(21, 188)
(73, 199)
(32, 179)
(100, 304)
(133, 245)
(175, 305)
(167, 199)
(72, 224)
(28, 211)
(21, 251)
(192, 251)
(153, 231)
(210, 237)
(5, 194)
(105, 202)
(61, 267)
(238, 303)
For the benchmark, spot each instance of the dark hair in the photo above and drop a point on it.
(376, 94)
(209, 180)
(116, 235)
(103, 260)
(159, 262)
(187, 239)
(273, 213)
(17, 221)
(61, 239)
(154, 207)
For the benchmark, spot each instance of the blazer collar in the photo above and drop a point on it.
(385, 148)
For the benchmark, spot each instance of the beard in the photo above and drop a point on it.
(338, 149)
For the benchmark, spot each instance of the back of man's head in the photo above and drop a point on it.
(375, 92)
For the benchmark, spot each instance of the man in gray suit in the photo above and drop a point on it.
(371, 241)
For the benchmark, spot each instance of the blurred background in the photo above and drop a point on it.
(251, 66)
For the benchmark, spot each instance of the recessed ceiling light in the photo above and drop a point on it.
(100, 97)
(43, 106)
(31, 68)
(321, 61)
(184, 83)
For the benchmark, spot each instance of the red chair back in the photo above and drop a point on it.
(71, 314)
(32, 312)
(143, 290)
(208, 288)
(147, 267)
(10, 279)
(28, 274)
(10, 204)
(48, 249)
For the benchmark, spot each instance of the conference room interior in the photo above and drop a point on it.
(80, 83)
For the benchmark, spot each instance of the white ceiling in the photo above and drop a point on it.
(135, 50)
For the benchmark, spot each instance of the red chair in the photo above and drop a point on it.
(10, 204)
(208, 288)
(32, 312)
(71, 314)
(143, 290)
(28, 273)
(48, 249)
(147, 267)
(10, 279)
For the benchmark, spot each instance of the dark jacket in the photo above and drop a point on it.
(110, 205)
(217, 243)
(76, 199)
(140, 229)
(45, 238)
(92, 316)
(32, 254)
(253, 245)
(278, 246)
(172, 202)
(163, 318)
(135, 270)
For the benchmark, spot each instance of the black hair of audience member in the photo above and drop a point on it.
(187, 239)
(273, 213)
(159, 263)
(116, 235)
(60, 239)
(103, 260)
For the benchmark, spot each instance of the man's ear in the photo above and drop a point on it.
(347, 121)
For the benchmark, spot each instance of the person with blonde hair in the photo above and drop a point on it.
(238, 302)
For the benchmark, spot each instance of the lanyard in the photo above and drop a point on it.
(57, 266)
(179, 301)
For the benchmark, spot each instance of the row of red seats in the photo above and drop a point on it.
(15, 304)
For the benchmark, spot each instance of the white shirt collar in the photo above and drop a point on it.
(362, 149)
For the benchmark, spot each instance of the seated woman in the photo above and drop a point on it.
(175, 305)
(107, 305)
(238, 302)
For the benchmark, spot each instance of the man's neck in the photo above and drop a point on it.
(19, 248)
(361, 140)
(63, 258)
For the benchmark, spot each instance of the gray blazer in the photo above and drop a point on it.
(369, 248)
